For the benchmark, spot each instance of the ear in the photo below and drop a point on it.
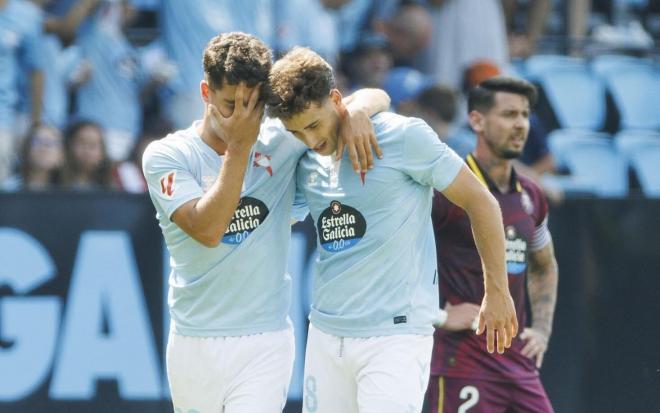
(336, 98)
(204, 90)
(476, 120)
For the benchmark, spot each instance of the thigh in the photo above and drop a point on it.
(394, 373)
(458, 395)
(260, 370)
(194, 373)
(329, 385)
(530, 397)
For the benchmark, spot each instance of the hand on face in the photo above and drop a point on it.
(240, 129)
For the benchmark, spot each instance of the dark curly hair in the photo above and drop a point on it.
(299, 78)
(482, 97)
(236, 57)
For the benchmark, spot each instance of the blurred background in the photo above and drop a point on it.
(85, 85)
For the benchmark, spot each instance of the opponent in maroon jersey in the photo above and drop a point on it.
(464, 377)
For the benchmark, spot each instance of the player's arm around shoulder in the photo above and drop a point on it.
(497, 313)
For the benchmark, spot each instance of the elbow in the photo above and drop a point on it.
(209, 241)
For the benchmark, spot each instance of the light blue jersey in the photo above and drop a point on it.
(20, 31)
(376, 273)
(241, 286)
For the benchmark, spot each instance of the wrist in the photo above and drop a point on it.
(441, 320)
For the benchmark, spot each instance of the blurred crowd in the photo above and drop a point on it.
(85, 85)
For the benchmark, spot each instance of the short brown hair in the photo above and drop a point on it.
(299, 78)
(236, 57)
(482, 97)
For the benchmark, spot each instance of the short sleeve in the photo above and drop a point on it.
(426, 158)
(170, 182)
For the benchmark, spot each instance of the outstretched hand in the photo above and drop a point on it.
(498, 317)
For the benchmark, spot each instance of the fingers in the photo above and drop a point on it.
(539, 359)
(370, 155)
(239, 96)
(514, 328)
(340, 149)
(490, 339)
(502, 340)
(481, 323)
(254, 98)
(528, 349)
(362, 157)
(353, 156)
(375, 146)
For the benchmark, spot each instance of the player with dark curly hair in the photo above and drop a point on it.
(224, 193)
(375, 297)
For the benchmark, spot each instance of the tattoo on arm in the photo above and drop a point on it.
(542, 279)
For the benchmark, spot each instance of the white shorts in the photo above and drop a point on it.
(244, 374)
(385, 374)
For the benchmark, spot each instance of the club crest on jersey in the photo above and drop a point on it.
(526, 202)
(263, 161)
(167, 184)
(516, 251)
(340, 227)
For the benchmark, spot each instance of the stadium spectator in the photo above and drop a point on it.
(464, 31)
(87, 166)
(368, 347)
(185, 32)
(408, 32)
(41, 161)
(523, 38)
(463, 376)
(369, 64)
(20, 56)
(65, 65)
(117, 77)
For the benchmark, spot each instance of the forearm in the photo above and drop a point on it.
(371, 101)
(36, 91)
(213, 212)
(488, 231)
(542, 289)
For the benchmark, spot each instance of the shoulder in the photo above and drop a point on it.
(536, 195)
(388, 125)
(175, 147)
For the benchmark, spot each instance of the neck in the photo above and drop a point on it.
(498, 169)
(210, 137)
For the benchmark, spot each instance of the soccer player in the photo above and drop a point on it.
(464, 377)
(223, 190)
(375, 297)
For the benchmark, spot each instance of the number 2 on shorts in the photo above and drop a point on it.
(471, 396)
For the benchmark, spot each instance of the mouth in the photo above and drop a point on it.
(320, 146)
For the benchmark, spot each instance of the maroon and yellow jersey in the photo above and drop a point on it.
(524, 211)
